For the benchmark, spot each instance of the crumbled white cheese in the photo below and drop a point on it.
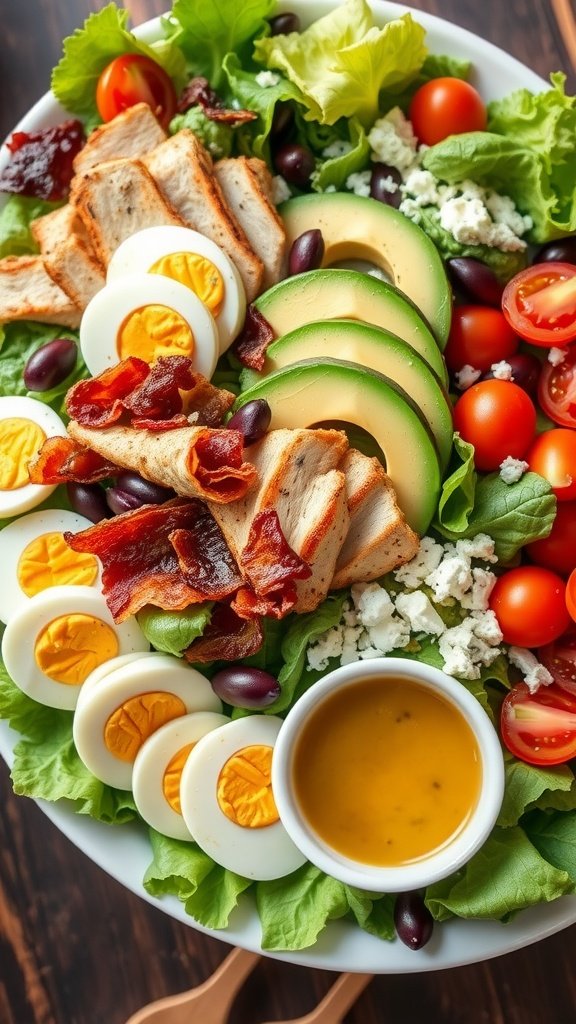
(469, 646)
(392, 140)
(421, 186)
(502, 370)
(478, 596)
(557, 355)
(504, 212)
(266, 79)
(535, 674)
(375, 609)
(451, 579)
(468, 220)
(337, 148)
(419, 611)
(328, 645)
(481, 546)
(512, 470)
(359, 183)
(487, 627)
(428, 557)
(330, 188)
(466, 376)
(280, 190)
(389, 185)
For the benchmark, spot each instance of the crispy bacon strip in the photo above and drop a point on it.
(217, 463)
(270, 568)
(141, 565)
(200, 92)
(62, 460)
(227, 638)
(251, 344)
(249, 605)
(99, 401)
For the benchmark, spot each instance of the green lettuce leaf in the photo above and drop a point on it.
(554, 836)
(508, 874)
(173, 632)
(530, 785)
(333, 172)
(216, 897)
(253, 139)
(207, 32)
(46, 765)
(434, 66)
(104, 36)
(343, 61)
(216, 136)
(302, 632)
(18, 340)
(15, 218)
(177, 867)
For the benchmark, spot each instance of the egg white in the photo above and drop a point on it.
(16, 537)
(20, 635)
(152, 761)
(258, 853)
(140, 251)
(109, 308)
(155, 672)
(12, 503)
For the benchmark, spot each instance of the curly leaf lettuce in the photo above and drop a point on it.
(343, 61)
(172, 632)
(207, 32)
(15, 218)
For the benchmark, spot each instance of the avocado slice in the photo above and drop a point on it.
(357, 227)
(308, 393)
(369, 346)
(329, 294)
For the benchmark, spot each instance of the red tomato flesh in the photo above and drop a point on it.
(559, 658)
(498, 418)
(529, 603)
(134, 78)
(479, 336)
(540, 304)
(553, 456)
(446, 106)
(571, 595)
(539, 728)
(557, 390)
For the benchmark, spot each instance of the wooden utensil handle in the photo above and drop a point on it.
(338, 1000)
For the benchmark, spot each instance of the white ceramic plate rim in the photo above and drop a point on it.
(125, 852)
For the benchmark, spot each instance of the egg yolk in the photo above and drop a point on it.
(48, 562)
(136, 719)
(154, 331)
(20, 439)
(197, 273)
(172, 776)
(70, 647)
(244, 789)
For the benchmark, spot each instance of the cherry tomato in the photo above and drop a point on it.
(571, 595)
(540, 303)
(557, 390)
(553, 455)
(498, 418)
(479, 336)
(529, 604)
(134, 78)
(539, 728)
(559, 658)
(557, 551)
(446, 106)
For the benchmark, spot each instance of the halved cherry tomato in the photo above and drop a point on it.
(530, 606)
(539, 728)
(553, 456)
(557, 390)
(540, 303)
(557, 551)
(134, 78)
(571, 595)
(479, 336)
(498, 418)
(559, 658)
(446, 106)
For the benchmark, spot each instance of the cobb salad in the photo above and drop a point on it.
(485, 196)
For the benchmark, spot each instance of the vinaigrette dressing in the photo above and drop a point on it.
(386, 772)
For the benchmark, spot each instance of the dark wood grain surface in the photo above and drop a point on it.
(75, 947)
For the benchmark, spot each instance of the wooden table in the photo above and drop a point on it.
(75, 947)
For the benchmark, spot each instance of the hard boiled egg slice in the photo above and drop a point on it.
(193, 260)
(158, 769)
(227, 800)
(51, 645)
(34, 556)
(148, 316)
(117, 715)
(25, 424)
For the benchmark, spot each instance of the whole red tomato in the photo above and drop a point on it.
(446, 106)
(529, 603)
(498, 418)
(479, 336)
(557, 551)
(134, 78)
(553, 456)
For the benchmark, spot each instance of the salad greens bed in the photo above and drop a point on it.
(339, 76)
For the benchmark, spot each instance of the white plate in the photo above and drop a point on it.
(125, 852)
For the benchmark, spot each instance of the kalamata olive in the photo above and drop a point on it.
(382, 175)
(476, 280)
(50, 364)
(244, 687)
(295, 163)
(526, 369)
(561, 250)
(88, 500)
(121, 501)
(282, 24)
(282, 121)
(145, 491)
(414, 922)
(252, 420)
(306, 252)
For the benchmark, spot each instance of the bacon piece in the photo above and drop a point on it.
(249, 605)
(158, 426)
(267, 561)
(200, 92)
(141, 565)
(251, 344)
(100, 401)
(227, 638)
(62, 460)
